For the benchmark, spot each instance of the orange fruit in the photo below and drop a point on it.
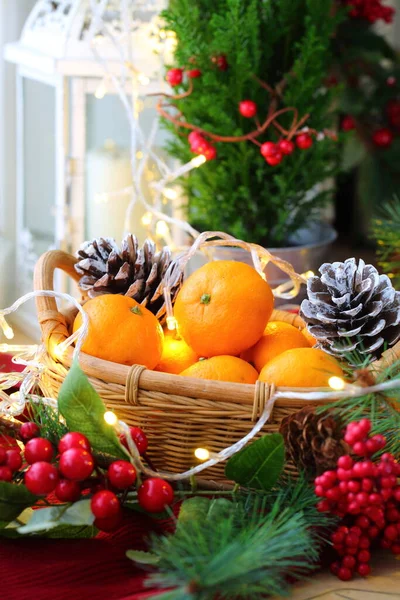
(223, 308)
(223, 368)
(301, 367)
(122, 331)
(176, 355)
(277, 338)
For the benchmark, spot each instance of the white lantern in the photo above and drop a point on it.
(73, 137)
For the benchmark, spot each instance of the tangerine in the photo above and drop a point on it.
(277, 337)
(223, 368)
(301, 367)
(121, 331)
(223, 308)
(176, 355)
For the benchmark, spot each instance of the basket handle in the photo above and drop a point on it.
(52, 322)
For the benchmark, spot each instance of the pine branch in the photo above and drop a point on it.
(386, 232)
(241, 549)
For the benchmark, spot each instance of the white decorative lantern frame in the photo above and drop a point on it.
(60, 48)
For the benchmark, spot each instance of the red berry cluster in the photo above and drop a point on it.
(200, 145)
(274, 153)
(72, 475)
(366, 496)
(175, 76)
(371, 10)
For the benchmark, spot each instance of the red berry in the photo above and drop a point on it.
(137, 434)
(174, 77)
(344, 574)
(105, 505)
(74, 439)
(3, 455)
(348, 561)
(364, 556)
(76, 464)
(383, 137)
(363, 522)
(13, 460)
(379, 440)
(68, 491)
(38, 450)
(335, 566)
(274, 159)
(319, 491)
(268, 149)
(360, 448)
(345, 462)
(365, 426)
(110, 523)
(155, 494)
(396, 548)
(391, 81)
(344, 487)
(193, 137)
(393, 112)
(221, 62)
(324, 506)
(348, 123)
(248, 108)
(373, 531)
(363, 569)
(334, 494)
(41, 478)
(356, 530)
(194, 73)
(29, 430)
(354, 486)
(364, 542)
(210, 152)
(375, 499)
(121, 474)
(367, 485)
(352, 539)
(390, 533)
(286, 146)
(344, 474)
(362, 498)
(389, 481)
(5, 474)
(354, 508)
(337, 537)
(304, 141)
(393, 515)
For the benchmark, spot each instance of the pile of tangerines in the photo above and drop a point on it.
(223, 312)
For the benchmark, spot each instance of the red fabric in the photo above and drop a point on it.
(77, 569)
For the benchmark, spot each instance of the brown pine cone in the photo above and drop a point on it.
(313, 442)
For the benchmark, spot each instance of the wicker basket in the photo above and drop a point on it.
(179, 414)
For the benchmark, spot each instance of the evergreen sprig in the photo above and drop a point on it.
(49, 420)
(275, 40)
(386, 232)
(382, 408)
(246, 552)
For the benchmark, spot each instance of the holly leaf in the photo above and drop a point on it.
(13, 500)
(83, 410)
(143, 558)
(45, 519)
(260, 464)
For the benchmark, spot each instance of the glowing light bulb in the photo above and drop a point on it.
(58, 350)
(171, 323)
(139, 154)
(7, 330)
(162, 229)
(198, 161)
(170, 193)
(101, 90)
(110, 418)
(308, 274)
(143, 79)
(147, 219)
(202, 453)
(336, 383)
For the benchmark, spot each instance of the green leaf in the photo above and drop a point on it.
(13, 500)
(45, 519)
(260, 464)
(142, 558)
(83, 410)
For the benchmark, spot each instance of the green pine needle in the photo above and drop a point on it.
(247, 553)
(49, 421)
(386, 232)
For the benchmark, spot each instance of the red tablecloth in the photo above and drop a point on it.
(76, 569)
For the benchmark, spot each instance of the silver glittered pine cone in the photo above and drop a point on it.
(131, 270)
(352, 308)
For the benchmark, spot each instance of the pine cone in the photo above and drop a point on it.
(129, 270)
(352, 307)
(313, 442)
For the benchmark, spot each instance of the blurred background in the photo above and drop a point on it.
(65, 143)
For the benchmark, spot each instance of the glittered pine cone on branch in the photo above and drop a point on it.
(313, 441)
(130, 270)
(352, 308)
